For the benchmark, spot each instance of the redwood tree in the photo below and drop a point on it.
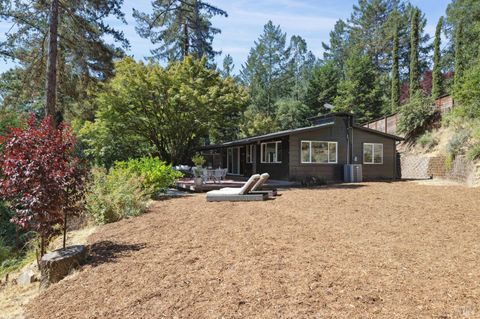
(41, 176)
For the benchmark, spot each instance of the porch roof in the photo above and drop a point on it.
(249, 140)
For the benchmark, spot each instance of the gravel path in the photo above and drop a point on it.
(373, 250)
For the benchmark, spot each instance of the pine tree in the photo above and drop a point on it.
(337, 48)
(395, 94)
(180, 27)
(437, 78)
(228, 66)
(414, 63)
(322, 87)
(299, 67)
(459, 57)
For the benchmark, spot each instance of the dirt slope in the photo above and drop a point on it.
(377, 250)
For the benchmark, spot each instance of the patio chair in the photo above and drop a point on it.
(257, 188)
(237, 194)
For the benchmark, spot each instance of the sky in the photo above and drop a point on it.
(312, 20)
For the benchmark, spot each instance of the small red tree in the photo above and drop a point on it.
(41, 177)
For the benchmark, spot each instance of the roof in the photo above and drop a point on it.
(248, 140)
(366, 129)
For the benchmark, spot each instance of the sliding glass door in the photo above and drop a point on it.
(233, 160)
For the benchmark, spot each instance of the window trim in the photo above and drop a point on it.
(310, 151)
(251, 148)
(373, 154)
(276, 152)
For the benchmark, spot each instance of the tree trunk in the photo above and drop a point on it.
(186, 44)
(51, 86)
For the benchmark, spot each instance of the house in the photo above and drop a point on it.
(320, 150)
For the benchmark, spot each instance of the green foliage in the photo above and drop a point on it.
(415, 114)
(4, 252)
(474, 152)
(291, 114)
(322, 87)
(427, 140)
(437, 78)
(459, 55)
(457, 142)
(257, 123)
(395, 89)
(359, 91)
(414, 43)
(115, 195)
(467, 94)
(166, 111)
(155, 174)
(198, 160)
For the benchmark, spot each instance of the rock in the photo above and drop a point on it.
(27, 277)
(57, 264)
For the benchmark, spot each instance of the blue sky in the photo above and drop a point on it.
(310, 19)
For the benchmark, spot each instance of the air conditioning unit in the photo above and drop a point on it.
(352, 173)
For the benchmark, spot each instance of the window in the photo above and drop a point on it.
(249, 153)
(319, 152)
(271, 152)
(372, 153)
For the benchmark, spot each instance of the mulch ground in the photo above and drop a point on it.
(374, 250)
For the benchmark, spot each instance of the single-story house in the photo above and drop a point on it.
(320, 150)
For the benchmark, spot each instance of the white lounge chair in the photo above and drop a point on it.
(257, 188)
(237, 194)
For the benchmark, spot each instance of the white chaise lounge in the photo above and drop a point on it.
(238, 194)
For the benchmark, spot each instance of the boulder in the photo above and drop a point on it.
(57, 264)
(28, 276)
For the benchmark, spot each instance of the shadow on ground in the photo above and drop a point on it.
(108, 251)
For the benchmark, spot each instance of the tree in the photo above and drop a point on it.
(257, 123)
(414, 63)
(171, 109)
(359, 92)
(322, 87)
(300, 65)
(84, 58)
(437, 77)
(41, 176)
(228, 66)
(264, 71)
(180, 27)
(337, 49)
(291, 114)
(415, 114)
(51, 87)
(459, 56)
(395, 95)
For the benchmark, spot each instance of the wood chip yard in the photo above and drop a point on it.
(372, 250)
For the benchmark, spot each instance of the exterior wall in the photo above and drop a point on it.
(388, 169)
(276, 170)
(331, 172)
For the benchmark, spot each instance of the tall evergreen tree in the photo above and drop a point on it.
(180, 27)
(414, 63)
(228, 66)
(337, 48)
(322, 87)
(459, 56)
(84, 56)
(299, 67)
(437, 77)
(395, 94)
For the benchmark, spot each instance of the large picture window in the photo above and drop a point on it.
(271, 152)
(250, 149)
(319, 152)
(372, 153)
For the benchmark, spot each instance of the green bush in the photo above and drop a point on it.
(457, 141)
(115, 195)
(415, 114)
(4, 252)
(474, 152)
(156, 175)
(427, 140)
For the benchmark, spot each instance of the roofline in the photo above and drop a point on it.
(248, 140)
(329, 114)
(366, 129)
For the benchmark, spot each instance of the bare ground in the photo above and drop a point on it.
(376, 250)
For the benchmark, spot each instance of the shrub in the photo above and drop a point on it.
(156, 175)
(457, 141)
(474, 152)
(427, 140)
(115, 195)
(41, 176)
(4, 252)
(415, 114)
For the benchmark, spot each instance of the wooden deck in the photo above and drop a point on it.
(188, 184)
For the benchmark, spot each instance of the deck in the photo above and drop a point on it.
(188, 184)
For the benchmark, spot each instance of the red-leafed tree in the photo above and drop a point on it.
(41, 176)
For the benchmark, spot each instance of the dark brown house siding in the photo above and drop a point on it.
(299, 170)
(387, 170)
(276, 170)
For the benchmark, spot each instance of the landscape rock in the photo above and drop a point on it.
(27, 277)
(57, 264)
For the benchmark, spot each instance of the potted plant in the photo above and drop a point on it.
(198, 161)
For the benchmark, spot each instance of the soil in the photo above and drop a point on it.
(372, 250)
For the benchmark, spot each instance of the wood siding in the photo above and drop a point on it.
(276, 170)
(387, 170)
(331, 172)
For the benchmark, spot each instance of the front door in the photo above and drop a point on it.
(233, 160)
